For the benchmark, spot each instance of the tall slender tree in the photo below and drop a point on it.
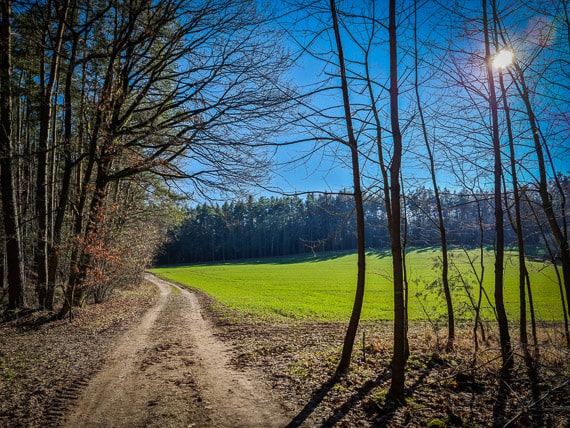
(506, 348)
(433, 173)
(48, 77)
(397, 386)
(524, 281)
(358, 201)
(557, 223)
(13, 246)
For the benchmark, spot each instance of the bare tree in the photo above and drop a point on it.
(11, 219)
(357, 192)
(524, 280)
(506, 349)
(440, 220)
(108, 92)
(397, 385)
(556, 222)
(185, 92)
(48, 77)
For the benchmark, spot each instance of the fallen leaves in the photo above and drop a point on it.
(456, 389)
(44, 364)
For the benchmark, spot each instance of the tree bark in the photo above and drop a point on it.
(440, 220)
(397, 386)
(517, 222)
(506, 351)
(53, 247)
(10, 209)
(359, 208)
(560, 233)
(43, 214)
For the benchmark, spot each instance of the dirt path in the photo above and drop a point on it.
(171, 370)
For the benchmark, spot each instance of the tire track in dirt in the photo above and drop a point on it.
(236, 398)
(171, 370)
(106, 399)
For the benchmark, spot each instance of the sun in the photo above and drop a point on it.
(503, 59)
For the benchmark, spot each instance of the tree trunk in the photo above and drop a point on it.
(76, 291)
(559, 233)
(440, 223)
(556, 270)
(397, 386)
(43, 214)
(517, 223)
(506, 351)
(53, 248)
(353, 145)
(10, 209)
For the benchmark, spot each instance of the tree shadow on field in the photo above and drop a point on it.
(387, 410)
(379, 254)
(306, 257)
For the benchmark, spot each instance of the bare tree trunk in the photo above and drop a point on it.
(405, 268)
(480, 279)
(556, 270)
(391, 191)
(69, 164)
(560, 233)
(359, 207)
(73, 292)
(13, 246)
(517, 223)
(43, 214)
(440, 223)
(397, 386)
(506, 351)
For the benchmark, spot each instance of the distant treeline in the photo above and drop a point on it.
(277, 226)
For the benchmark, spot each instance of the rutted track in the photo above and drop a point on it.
(64, 399)
(171, 370)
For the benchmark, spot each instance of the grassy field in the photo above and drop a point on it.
(322, 287)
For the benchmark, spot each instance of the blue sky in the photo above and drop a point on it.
(328, 169)
(452, 87)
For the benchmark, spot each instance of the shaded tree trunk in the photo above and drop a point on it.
(353, 145)
(440, 222)
(10, 211)
(43, 214)
(397, 386)
(506, 351)
(69, 164)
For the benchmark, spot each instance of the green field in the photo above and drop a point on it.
(322, 287)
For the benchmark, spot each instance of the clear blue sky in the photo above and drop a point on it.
(328, 169)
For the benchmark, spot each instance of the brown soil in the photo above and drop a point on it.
(170, 370)
(176, 358)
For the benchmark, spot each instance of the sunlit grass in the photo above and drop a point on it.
(322, 287)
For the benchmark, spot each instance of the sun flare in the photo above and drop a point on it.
(503, 59)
